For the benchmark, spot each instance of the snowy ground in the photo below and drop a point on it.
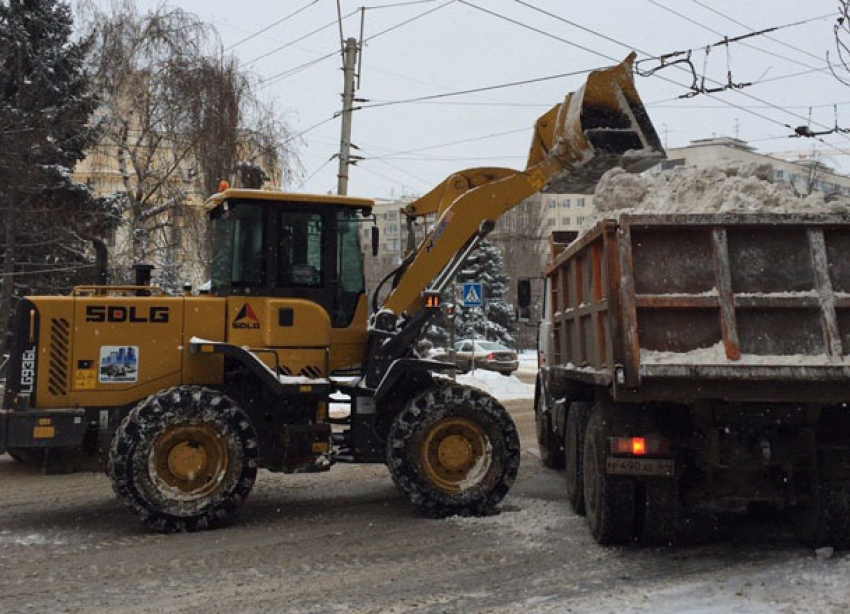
(347, 541)
(503, 387)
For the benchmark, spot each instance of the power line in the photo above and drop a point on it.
(277, 78)
(316, 172)
(300, 38)
(406, 21)
(458, 142)
(383, 160)
(311, 128)
(396, 4)
(476, 90)
(269, 27)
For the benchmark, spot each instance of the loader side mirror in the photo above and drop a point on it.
(376, 238)
(523, 299)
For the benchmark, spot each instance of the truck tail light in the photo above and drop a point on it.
(640, 446)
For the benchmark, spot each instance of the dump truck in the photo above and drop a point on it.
(691, 360)
(190, 395)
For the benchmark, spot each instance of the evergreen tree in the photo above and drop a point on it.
(494, 321)
(48, 221)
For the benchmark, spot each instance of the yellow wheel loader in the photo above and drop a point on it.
(192, 394)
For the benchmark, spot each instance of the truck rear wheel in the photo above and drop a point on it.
(453, 450)
(550, 448)
(184, 459)
(574, 453)
(609, 500)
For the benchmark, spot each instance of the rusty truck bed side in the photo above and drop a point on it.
(738, 307)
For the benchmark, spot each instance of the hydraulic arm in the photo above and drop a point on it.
(600, 126)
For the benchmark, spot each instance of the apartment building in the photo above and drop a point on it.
(805, 171)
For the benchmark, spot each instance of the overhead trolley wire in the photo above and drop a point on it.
(770, 38)
(662, 77)
(748, 45)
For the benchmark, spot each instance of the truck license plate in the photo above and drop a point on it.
(640, 466)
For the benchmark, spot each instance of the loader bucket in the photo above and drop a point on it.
(600, 126)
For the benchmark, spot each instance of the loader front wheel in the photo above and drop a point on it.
(184, 459)
(453, 450)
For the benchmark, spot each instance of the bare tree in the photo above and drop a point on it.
(176, 117)
(841, 31)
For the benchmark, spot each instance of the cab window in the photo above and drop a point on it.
(238, 258)
(299, 250)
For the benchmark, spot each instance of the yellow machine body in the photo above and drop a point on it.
(78, 334)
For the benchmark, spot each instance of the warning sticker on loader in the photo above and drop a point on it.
(119, 364)
(84, 379)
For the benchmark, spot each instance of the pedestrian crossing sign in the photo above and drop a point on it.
(473, 295)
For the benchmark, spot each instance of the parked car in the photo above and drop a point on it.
(486, 354)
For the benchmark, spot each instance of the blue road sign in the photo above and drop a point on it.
(473, 294)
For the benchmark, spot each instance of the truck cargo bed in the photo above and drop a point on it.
(738, 307)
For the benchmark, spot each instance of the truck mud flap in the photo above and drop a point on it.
(42, 429)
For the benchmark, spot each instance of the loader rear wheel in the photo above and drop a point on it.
(608, 500)
(184, 459)
(453, 450)
(574, 453)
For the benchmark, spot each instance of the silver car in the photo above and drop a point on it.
(486, 355)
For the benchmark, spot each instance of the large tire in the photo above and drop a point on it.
(184, 459)
(823, 519)
(550, 448)
(574, 453)
(453, 450)
(609, 500)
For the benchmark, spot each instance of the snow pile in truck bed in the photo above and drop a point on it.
(731, 188)
(716, 355)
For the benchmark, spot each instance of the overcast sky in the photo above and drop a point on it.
(458, 47)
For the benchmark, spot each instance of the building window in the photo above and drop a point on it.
(580, 202)
(390, 215)
(779, 174)
(565, 204)
(550, 222)
(579, 220)
(392, 229)
(567, 221)
(392, 245)
(552, 205)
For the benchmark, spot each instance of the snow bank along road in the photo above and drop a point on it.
(346, 541)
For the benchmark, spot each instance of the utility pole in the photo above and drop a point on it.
(349, 62)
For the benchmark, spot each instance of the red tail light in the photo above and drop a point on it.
(490, 356)
(640, 446)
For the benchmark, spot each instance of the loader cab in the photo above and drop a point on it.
(277, 244)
